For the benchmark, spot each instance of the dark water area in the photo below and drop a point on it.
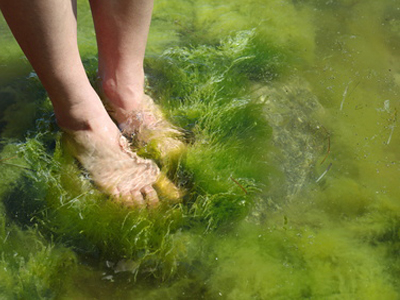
(292, 172)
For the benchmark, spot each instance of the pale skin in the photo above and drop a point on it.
(47, 33)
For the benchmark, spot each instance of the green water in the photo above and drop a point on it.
(292, 173)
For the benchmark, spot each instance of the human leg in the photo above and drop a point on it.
(121, 28)
(46, 32)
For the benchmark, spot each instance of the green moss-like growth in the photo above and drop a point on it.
(30, 266)
(266, 262)
(222, 172)
(337, 238)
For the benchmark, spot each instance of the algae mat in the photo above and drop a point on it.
(289, 110)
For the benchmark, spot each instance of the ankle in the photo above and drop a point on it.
(126, 93)
(80, 116)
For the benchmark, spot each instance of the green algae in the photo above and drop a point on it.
(254, 223)
(297, 263)
(30, 266)
(54, 196)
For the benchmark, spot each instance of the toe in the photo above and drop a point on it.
(151, 196)
(116, 195)
(115, 192)
(137, 199)
(167, 189)
(128, 201)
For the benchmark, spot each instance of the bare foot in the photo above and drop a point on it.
(143, 122)
(148, 127)
(116, 170)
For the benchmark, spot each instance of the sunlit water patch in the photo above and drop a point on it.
(290, 111)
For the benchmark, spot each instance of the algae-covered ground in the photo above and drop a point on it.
(291, 178)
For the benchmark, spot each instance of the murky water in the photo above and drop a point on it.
(322, 186)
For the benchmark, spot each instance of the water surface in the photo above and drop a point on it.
(319, 183)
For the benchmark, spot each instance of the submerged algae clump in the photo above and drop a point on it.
(206, 92)
(54, 194)
(30, 266)
(281, 25)
(271, 262)
(222, 172)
